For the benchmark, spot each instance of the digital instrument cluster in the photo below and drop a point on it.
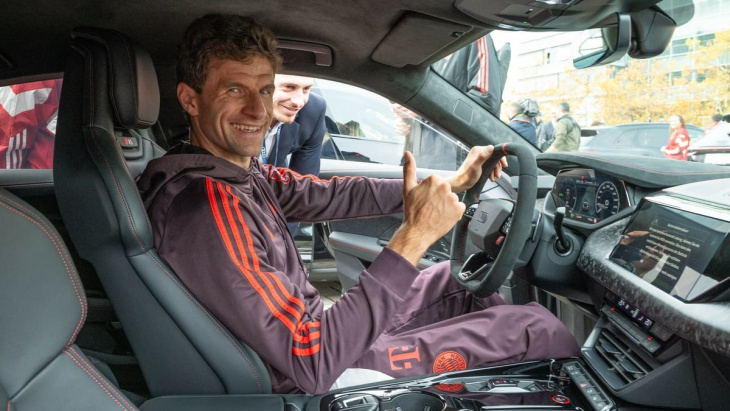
(589, 196)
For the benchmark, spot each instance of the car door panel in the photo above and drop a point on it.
(355, 243)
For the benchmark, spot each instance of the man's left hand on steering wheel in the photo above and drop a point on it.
(470, 170)
(495, 224)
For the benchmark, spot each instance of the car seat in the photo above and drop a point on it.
(42, 309)
(110, 94)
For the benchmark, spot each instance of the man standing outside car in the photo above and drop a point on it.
(297, 128)
(521, 123)
(566, 132)
(219, 220)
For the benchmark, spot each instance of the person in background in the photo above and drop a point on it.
(521, 123)
(298, 126)
(678, 143)
(566, 136)
(28, 113)
(544, 131)
(479, 70)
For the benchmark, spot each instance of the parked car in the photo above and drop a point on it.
(714, 148)
(642, 139)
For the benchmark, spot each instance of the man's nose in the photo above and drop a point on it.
(297, 98)
(256, 107)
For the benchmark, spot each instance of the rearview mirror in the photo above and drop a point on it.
(605, 45)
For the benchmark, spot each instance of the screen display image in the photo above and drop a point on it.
(681, 253)
(588, 196)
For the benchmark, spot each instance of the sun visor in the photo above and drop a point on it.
(415, 38)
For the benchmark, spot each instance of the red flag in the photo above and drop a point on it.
(28, 113)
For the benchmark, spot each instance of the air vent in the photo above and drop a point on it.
(621, 360)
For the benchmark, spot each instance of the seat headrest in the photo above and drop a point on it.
(42, 299)
(133, 88)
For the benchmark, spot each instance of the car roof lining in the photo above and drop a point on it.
(371, 42)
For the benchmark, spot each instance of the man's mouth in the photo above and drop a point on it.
(290, 110)
(248, 129)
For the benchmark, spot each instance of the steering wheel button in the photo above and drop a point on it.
(482, 217)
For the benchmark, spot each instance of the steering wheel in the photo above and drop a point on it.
(498, 227)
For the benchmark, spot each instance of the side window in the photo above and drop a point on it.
(28, 113)
(363, 126)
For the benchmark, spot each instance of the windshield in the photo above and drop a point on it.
(669, 106)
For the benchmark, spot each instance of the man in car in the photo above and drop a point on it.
(297, 128)
(566, 133)
(219, 220)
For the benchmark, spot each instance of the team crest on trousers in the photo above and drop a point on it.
(449, 361)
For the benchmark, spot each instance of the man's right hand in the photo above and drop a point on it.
(430, 210)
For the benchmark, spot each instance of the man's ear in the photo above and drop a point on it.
(188, 98)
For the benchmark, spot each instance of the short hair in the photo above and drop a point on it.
(222, 36)
(717, 117)
(564, 107)
(726, 118)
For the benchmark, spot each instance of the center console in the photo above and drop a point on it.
(543, 385)
(664, 277)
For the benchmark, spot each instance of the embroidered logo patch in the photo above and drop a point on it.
(449, 361)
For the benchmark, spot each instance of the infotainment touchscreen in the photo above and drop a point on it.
(683, 254)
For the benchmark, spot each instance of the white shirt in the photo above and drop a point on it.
(270, 138)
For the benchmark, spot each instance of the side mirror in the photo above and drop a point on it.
(605, 45)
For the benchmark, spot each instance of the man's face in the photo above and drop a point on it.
(291, 94)
(555, 113)
(231, 116)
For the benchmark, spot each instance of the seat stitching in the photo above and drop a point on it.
(69, 270)
(94, 139)
(102, 379)
(96, 381)
(207, 314)
(144, 249)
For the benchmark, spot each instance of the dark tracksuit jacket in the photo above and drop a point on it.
(222, 229)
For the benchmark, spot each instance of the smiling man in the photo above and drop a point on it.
(219, 220)
(297, 128)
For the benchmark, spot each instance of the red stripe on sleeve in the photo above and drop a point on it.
(245, 268)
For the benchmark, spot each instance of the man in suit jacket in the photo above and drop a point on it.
(297, 127)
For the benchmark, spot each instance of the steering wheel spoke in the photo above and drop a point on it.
(475, 265)
(487, 227)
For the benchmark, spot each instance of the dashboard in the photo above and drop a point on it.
(667, 265)
(652, 253)
(588, 195)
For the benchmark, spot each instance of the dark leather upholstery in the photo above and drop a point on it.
(110, 87)
(42, 309)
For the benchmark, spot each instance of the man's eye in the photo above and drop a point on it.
(234, 90)
(266, 92)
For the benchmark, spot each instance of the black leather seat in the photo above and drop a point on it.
(110, 93)
(42, 309)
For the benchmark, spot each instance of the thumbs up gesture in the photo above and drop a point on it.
(430, 210)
